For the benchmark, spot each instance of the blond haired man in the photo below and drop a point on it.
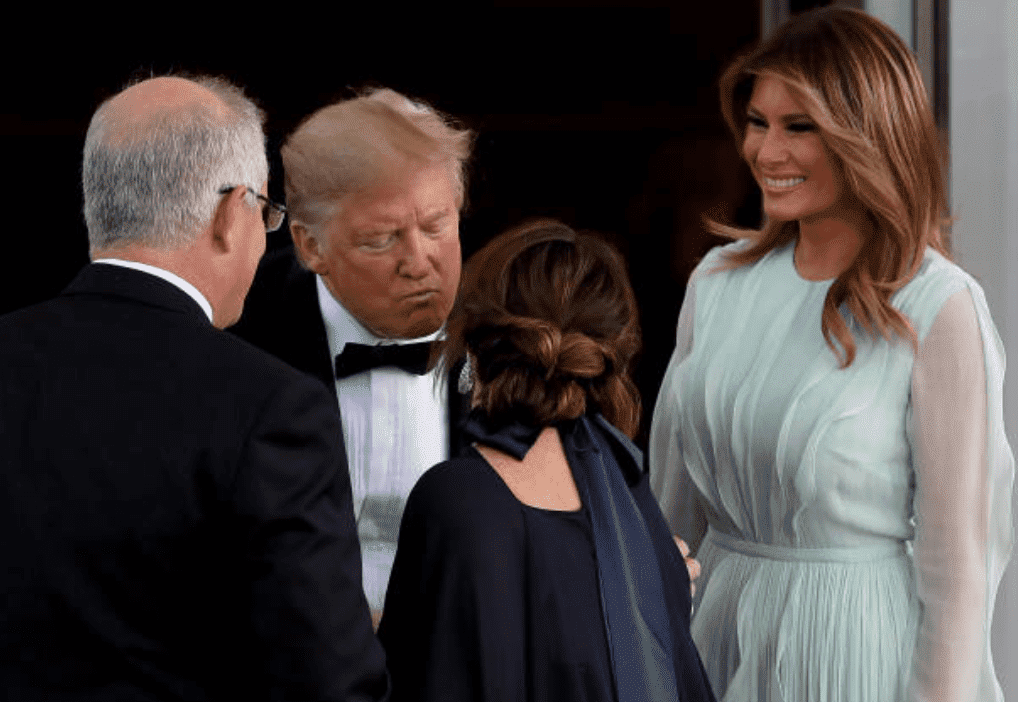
(374, 186)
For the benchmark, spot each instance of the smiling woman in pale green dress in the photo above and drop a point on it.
(829, 434)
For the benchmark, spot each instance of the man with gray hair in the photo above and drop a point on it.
(174, 504)
(374, 187)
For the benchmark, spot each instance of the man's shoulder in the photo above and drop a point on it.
(126, 361)
(251, 356)
(182, 345)
(243, 373)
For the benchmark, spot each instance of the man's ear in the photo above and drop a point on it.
(227, 218)
(307, 247)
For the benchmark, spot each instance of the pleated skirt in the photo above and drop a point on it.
(778, 624)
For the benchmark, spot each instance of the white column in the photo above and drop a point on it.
(896, 13)
(984, 187)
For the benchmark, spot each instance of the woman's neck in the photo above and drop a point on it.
(542, 478)
(827, 247)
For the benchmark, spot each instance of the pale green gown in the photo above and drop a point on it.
(852, 525)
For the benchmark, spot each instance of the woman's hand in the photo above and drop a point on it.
(692, 564)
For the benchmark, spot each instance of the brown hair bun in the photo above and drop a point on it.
(550, 320)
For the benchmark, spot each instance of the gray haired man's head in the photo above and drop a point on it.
(153, 163)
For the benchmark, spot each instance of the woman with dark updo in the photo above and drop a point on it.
(537, 566)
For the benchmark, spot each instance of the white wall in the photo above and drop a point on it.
(984, 186)
(896, 13)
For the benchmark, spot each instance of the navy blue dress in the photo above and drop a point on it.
(491, 599)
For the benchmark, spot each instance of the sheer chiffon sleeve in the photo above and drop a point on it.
(670, 482)
(964, 472)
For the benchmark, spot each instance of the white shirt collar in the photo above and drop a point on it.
(165, 275)
(342, 328)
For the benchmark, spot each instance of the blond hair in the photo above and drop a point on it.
(858, 81)
(353, 144)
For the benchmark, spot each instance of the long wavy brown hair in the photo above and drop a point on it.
(549, 319)
(858, 81)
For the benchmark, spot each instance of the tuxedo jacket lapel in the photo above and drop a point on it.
(305, 331)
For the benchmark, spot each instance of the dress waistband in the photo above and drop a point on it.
(840, 554)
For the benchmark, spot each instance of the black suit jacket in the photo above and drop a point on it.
(175, 511)
(282, 316)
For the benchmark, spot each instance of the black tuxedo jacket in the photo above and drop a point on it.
(282, 316)
(175, 511)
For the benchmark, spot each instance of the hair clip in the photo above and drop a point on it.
(466, 379)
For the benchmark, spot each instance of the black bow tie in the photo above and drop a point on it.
(357, 358)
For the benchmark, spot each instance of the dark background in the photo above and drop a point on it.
(603, 116)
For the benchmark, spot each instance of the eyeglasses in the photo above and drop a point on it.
(272, 212)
